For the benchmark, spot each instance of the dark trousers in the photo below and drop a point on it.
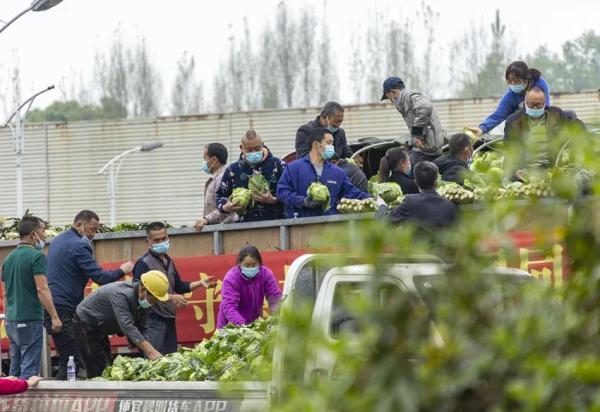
(161, 333)
(63, 340)
(418, 157)
(93, 347)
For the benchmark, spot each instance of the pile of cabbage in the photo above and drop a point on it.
(233, 353)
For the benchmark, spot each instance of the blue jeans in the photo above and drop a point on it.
(26, 339)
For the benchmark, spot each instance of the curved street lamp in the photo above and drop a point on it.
(18, 132)
(36, 5)
(114, 167)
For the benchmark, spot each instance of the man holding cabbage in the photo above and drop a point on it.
(248, 185)
(312, 185)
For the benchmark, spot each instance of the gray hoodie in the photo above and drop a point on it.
(422, 120)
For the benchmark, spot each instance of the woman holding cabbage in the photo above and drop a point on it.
(244, 290)
(312, 185)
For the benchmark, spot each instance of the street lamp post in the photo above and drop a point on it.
(114, 166)
(36, 5)
(18, 133)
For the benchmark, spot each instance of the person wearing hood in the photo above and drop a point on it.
(255, 158)
(395, 167)
(120, 308)
(245, 287)
(424, 125)
(161, 331)
(520, 79)
(455, 165)
(330, 118)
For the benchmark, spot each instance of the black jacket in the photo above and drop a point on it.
(355, 174)
(452, 169)
(407, 184)
(427, 208)
(339, 140)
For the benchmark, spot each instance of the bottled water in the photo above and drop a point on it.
(71, 369)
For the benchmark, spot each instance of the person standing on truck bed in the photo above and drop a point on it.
(424, 125)
(161, 331)
(520, 79)
(427, 208)
(214, 163)
(454, 166)
(397, 162)
(71, 264)
(119, 308)
(244, 290)
(315, 167)
(25, 295)
(331, 118)
(255, 158)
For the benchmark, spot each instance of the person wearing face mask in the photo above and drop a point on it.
(424, 125)
(255, 158)
(215, 159)
(120, 308)
(25, 296)
(330, 118)
(520, 79)
(538, 132)
(161, 331)
(71, 265)
(395, 167)
(454, 166)
(245, 287)
(315, 167)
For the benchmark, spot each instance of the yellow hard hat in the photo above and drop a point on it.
(157, 284)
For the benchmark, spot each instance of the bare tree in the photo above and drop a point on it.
(357, 67)
(285, 32)
(269, 71)
(249, 69)
(187, 93)
(112, 72)
(375, 56)
(146, 85)
(307, 60)
(328, 78)
(429, 21)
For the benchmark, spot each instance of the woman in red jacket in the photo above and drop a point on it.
(11, 386)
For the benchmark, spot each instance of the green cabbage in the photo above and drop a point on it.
(319, 193)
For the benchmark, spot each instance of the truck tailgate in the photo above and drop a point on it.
(92, 396)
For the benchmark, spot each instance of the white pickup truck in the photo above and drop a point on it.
(313, 280)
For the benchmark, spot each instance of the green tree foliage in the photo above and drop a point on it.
(73, 111)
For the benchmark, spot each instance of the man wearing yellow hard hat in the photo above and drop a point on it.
(119, 308)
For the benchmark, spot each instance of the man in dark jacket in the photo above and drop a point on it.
(455, 165)
(331, 118)
(71, 264)
(161, 331)
(539, 132)
(427, 208)
(117, 309)
(316, 167)
(354, 173)
(255, 158)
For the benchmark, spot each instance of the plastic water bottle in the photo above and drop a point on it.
(71, 369)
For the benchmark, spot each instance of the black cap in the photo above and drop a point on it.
(391, 83)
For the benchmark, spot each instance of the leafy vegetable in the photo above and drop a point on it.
(258, 185)
(388, 191)
(233, 353)
(320, 193)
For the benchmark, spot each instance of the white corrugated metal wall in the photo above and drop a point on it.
(61, 160)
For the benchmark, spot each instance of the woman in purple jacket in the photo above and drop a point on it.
(244, 290)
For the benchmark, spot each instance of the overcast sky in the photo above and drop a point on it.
(51, 44)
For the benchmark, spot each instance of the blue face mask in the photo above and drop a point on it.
(332, 129)
(204, 166)
(329, 152)
(517, 88)
(144, 304)
(534, 113)
(250, 272)
(254, 157)
(161, 248)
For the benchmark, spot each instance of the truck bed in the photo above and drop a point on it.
(94, 396)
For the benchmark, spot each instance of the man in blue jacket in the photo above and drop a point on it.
(71, 264)
(299, 175)
(255, 158)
